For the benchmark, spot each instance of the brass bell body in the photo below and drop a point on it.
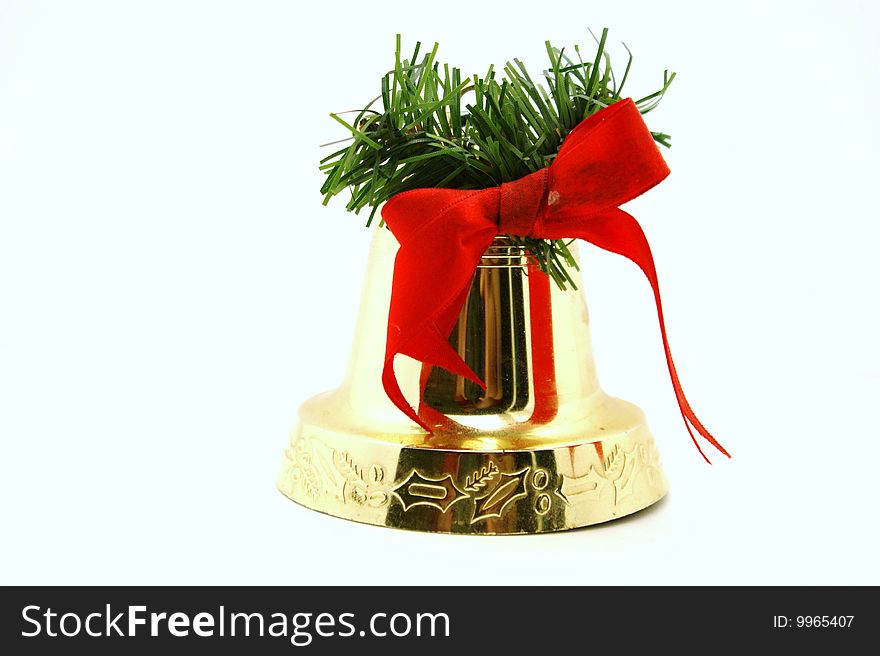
(542, 448)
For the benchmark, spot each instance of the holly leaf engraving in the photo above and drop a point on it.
(510, 488)
(614, 464)
(346, 466)
(478, 481)
(589, 486)
(417, 490)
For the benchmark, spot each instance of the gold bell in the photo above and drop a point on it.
(542, 448)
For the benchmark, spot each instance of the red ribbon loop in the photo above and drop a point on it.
(605, 161)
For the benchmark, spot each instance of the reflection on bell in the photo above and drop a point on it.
(542, 448)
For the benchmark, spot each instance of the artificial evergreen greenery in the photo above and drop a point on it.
(436, 129)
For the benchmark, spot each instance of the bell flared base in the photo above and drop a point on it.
(479, 484)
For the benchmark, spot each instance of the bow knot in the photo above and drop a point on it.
(520, 202)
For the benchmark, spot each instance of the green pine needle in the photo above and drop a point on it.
(436, 129)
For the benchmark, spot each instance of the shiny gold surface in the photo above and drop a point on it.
(491, 336)
(543, 448)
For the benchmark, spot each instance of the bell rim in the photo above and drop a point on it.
(544, 489)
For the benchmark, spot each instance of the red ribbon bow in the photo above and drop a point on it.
(608, 159)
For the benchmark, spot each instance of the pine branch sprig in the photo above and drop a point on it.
(436, 129)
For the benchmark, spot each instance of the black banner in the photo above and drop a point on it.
(427, 620)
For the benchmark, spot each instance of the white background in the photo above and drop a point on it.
(171, 289)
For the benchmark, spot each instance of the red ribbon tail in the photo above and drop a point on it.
(429, 347)
(433, 270)
(392, 389)
(620, 233)
(689, 416)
